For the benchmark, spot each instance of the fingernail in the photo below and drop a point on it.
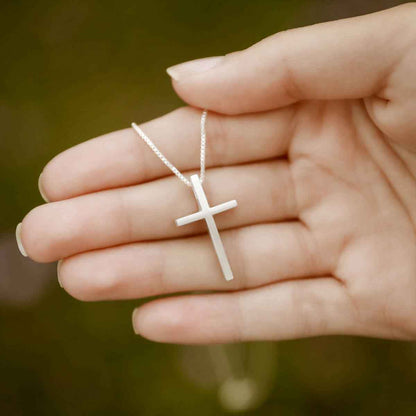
(134, 319)
(19, 239)
(186, 69)
(41, 191)
(58, 267)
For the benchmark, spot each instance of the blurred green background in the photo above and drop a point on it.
(71, 70)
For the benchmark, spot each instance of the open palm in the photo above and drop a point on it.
(323, 240)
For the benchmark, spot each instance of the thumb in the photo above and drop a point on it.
(350, 58)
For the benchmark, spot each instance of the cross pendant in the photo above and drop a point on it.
(206, 213)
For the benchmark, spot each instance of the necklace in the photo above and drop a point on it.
(205, 211)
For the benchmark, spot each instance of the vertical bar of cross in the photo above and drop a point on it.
(206, 213)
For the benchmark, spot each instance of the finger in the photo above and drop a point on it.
(264, 192)
(258, 255)
(349, 58)
(122, 158)
(286, 310)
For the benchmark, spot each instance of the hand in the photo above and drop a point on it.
(314, 134)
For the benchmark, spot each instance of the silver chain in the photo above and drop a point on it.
(160, 155)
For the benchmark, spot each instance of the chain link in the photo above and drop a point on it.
(160, 155)
(203, 145)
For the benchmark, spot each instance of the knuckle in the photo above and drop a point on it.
(290, 78)
(308, 247)
(78, 278)
(103, 285)
(235, 241)
(309, 311)
(287, 205)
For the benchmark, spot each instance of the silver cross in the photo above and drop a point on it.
(206, 213)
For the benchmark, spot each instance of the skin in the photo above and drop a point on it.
(313, 131)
